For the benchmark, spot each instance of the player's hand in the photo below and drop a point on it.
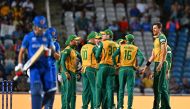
(142, 70)
(116, 66)
(68, 75)
(159, 67)
(59, 77)
(18, 67)
(56, 56)
(47, 52)
(18, 71)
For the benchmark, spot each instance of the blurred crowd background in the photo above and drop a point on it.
(83, 16)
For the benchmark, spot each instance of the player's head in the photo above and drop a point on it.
(72, 40)
(92, 36)
(109, 33)
(130, 38)
(40, 24)
(98, 38)
(120, 41)
(103, 34)
(52, 32)
(156, 28)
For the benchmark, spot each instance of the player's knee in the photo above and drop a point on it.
(36, 88)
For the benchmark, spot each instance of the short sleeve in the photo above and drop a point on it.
(25, 42)
(57, 47)
(162, 38)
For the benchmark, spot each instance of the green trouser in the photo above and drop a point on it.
(68, 91)
(88, 83)
(116, 89)
(104, 82)
(160, 87)
(163, 104)
(126, 75)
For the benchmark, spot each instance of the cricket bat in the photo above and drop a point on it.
(31, 61)
(34, 58)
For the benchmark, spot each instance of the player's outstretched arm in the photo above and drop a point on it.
(148, 63)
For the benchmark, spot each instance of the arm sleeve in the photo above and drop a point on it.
(58, 47)
(64, 55)
(162, 38)
(169, 59)
(140, 57)
(25, 42)
(58, 66)
(99, 51)
(50, 42)
(94, 50)
(115, 55)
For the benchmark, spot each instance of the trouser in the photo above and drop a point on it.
(41, 80)
(104, 82)
(116, 89)
(163, 104)
(88, 84)
(68, 91)
(126, 75)
(160, 87)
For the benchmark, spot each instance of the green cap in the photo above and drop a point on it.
(102, 32)
(70, 38)
(92, 35)
(129, 37)
(119, 41)
(109, 32)
(98, 36)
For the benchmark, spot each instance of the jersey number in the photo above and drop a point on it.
(127, 54)
(111, 50)
(84, 54)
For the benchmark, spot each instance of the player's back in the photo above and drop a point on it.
(128, 54)
(109, 47)
(88, 56)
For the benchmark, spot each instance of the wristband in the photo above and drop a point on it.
(148, 63)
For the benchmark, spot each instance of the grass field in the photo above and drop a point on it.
(23, 101)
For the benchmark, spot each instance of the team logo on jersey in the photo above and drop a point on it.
(42, 22)
(35, 45)
(33, 39)
(44, 39)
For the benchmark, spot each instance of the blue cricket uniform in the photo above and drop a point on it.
(53, 61)
(41, 78)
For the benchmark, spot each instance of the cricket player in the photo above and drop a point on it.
(41, 79)
(69, 69)
(89, 66)
(128, 54)
(53, 34)
(105, 74)
(169, 61)
(158, 56)
(116, 81)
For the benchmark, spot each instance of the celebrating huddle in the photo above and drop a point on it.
(106, 66)
(100, 58)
